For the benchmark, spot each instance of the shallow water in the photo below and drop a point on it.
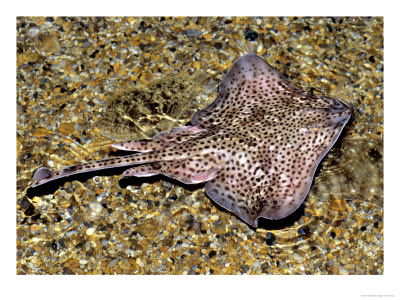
(99, 224)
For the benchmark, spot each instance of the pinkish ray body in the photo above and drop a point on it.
(256, 146)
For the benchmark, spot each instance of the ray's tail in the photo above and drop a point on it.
(161, 148)
(44, 175)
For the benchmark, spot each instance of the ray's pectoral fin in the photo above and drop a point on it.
(231, 199)
(189, 171)
(162, 140)
(274, 199)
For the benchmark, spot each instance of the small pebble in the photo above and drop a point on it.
(297, 257)
(251, 35)
(343, 272)
(95, 209)
(349, 267)
(50, 44)
(214, 217)
(66, 128)
(113, 263)
(33, 32)
(90, 231)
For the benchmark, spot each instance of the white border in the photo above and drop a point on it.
(200, 287)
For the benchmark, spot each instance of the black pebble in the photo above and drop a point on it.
(24, 203)
(67, 271)
(149, 205)
(93, 55)
(374, 153)
(218, 45)
(212, 254)
(363, 228)
(54, 245)
(29, 208)
(251, 35)
(270, 238)
(371, 59)
(245, 268)
(303, 230)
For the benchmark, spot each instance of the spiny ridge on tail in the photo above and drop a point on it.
(172, 137)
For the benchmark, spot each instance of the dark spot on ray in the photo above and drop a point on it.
(156, 165)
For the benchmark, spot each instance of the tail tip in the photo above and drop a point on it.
(42, 173)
